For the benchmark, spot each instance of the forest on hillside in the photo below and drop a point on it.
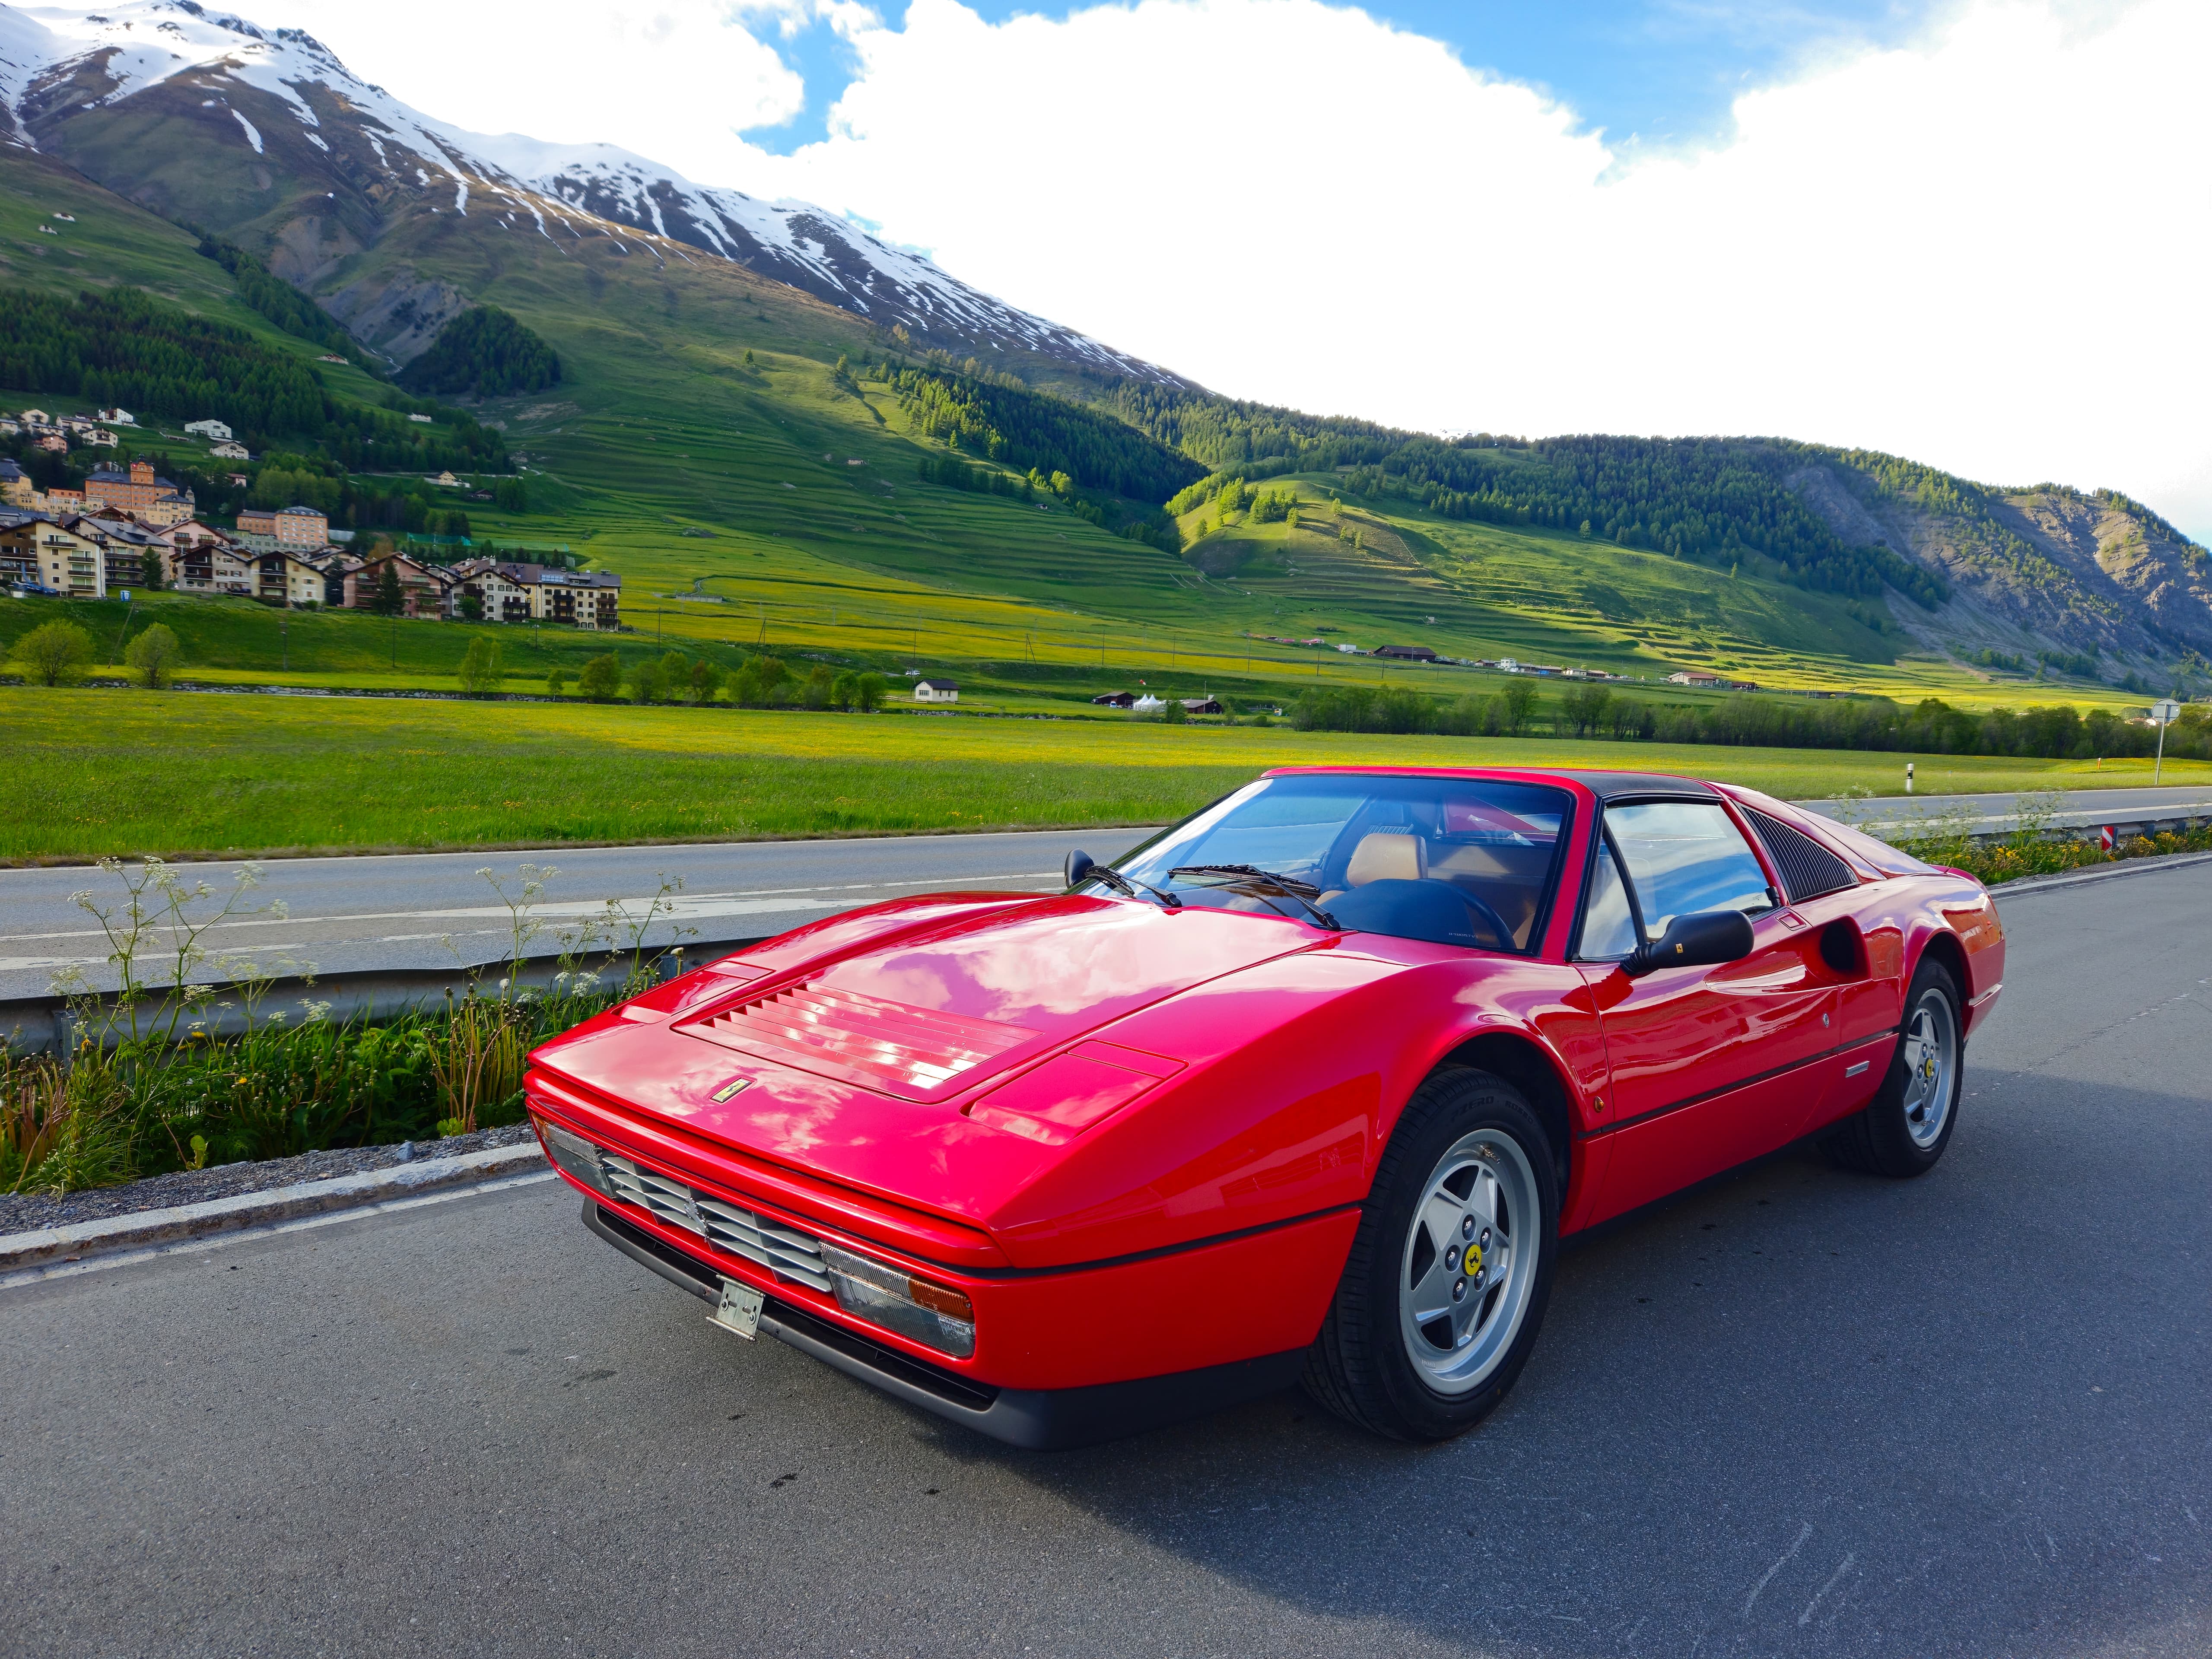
(486, 352)
(1721, 501)
(994, 417)
(127, 347)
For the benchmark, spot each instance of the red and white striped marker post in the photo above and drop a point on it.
(2106, 839)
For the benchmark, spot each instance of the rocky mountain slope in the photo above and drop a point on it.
(2093, 574)
(212, 120)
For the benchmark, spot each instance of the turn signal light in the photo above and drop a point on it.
(935, 1315)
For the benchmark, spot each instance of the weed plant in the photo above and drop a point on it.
(149, 1087)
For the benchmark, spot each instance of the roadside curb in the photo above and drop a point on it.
(2098, 873)
(49, 1245)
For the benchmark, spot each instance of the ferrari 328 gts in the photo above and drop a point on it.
(1306, 1088)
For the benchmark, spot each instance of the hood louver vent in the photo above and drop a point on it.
(909, 1051)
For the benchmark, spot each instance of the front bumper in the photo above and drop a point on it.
(1040, 1419)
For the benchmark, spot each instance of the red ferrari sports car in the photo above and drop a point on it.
(1308, 1087)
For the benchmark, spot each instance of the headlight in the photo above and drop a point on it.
(931, 1313)
(575, 1154)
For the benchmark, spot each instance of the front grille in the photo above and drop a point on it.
(916, 1050)
(1808, 868)
(782, 1250)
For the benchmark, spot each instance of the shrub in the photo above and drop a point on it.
(480, 667)
(54, 653)
(556, 681)
(601, 678)
(868, 693)
(154, 657)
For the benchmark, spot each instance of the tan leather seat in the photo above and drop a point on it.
(1386, 856)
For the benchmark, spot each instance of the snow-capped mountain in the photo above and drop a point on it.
(284, 100)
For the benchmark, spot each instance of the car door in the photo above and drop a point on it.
(1706, 1066)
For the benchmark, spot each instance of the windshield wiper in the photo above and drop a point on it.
(1128, 885)
(1250, 875)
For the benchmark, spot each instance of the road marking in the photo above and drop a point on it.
(741, 902)
(299, 1224)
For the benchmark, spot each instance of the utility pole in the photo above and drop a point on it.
(284, 634)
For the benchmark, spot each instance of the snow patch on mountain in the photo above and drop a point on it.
(122, 51)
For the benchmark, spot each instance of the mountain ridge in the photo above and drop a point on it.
(396, 222)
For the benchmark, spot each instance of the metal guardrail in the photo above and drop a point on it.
(2075, 824)
(50, 1024)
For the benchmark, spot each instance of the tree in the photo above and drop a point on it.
(556, 682)
(675, 676)
(1172, 713)
(149, 571)
(471, 607)
(644, 680)
(390, 598)
(1519, 700)
(54, 653)
(815, 694)
(706, 681)
(601, 678)
(868, 693)
(480, 667)
(154, 657)
(842, 689)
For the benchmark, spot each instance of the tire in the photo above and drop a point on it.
(1468, 1167)
(1904, 1131)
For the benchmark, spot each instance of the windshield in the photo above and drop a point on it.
(1457, 861)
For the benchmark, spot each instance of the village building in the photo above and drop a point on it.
(289, 529)
(1115, 699)
(138, 492)
(132, 547)
(285, 579)
(15, 486)
(54, 443)
(118, 417)
(498, 597)
(38, 551)
(936, 691)
(215, 429)
(231, 452)
(1407, 653)
(421, 589)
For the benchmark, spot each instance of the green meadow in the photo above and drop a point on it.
(94, 772)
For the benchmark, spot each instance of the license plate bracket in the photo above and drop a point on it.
(738, 1309)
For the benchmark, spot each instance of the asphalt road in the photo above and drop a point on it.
(428, 909)
(401, 911)
(1800, 1411)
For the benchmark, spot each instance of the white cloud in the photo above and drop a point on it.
(1985, 251)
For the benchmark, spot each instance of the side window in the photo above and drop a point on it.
(1686, 857)
(1608, 924)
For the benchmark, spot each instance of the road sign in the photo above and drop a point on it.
(2163, 713)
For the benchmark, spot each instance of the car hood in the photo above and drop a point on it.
(857, 1059)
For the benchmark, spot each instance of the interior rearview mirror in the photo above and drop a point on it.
(1079, 865)
(1696, 941)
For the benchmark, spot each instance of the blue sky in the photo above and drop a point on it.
(1662, 71)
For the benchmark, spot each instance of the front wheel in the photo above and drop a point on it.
(1446, 1284)
(1909, 1124)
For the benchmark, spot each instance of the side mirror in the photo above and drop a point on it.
(1079, 865)
(1698, 941)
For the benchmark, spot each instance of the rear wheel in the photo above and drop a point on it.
(1445, 1287)
(1905, 1130)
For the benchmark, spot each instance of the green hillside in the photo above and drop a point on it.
(767, 472)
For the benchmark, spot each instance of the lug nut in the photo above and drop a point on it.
(1485, 1240)
(1466, 1226)
(1459, 1290)
(1451, 1260)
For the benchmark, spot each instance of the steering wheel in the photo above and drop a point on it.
(1490, 919)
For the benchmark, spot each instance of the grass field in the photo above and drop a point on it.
(94, 772)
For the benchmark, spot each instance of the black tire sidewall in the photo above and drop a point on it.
(1893, 1143)
(1443, 1109)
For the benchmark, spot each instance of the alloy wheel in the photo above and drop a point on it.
(1931, 1063)
(1470, 1261)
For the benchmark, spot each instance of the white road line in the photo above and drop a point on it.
(740, 902)
(300, 1223)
